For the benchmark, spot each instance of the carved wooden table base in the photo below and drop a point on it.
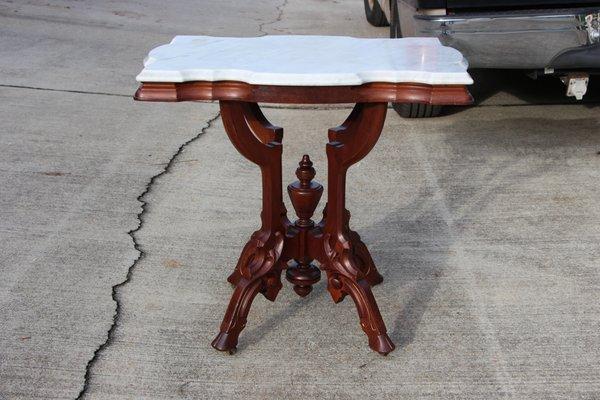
(280, 244)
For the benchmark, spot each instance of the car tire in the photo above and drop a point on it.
(417, 110)
(375, 14)
(395, 31)
(408, 110)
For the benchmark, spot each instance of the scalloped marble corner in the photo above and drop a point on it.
(289, 60)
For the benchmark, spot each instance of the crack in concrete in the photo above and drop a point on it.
(279, 9)
(137, 246)
(63, 90)
(275, 106)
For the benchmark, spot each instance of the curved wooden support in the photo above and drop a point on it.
(368, 311)
(236, 315)
(239, 306)
(267, 281)
(260, 142)
(341, 252)
(259, 266)
(348, 144)
(261, 127)
(349, 266)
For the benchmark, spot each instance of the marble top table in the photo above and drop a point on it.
(242, 72)
(204, 67)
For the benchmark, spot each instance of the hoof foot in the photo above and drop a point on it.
(382, 344)
(225, 342)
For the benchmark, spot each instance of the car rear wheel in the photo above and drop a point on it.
(395, 31)
(408, 110)
(417, 110)
(375, 14)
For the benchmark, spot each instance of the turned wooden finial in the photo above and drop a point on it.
(305, 171)
(305, 193)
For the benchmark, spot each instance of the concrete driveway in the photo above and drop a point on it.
(120, 222)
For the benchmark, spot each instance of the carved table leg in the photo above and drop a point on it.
(260, 265)
(365, 261)
(345, 259)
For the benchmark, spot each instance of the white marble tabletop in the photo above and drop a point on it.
(305, 61)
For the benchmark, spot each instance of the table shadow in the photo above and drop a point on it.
(401, 242)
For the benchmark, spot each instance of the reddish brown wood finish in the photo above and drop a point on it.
(260, 264)
(367, 93)
(279, 244)
(349, 266)
(305, 195)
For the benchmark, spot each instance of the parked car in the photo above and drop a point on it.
(541, 37)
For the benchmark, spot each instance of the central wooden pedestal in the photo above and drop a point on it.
(282, 245)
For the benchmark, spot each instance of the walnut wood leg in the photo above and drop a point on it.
(368, 312)
(267, 281)
(260, 265)
(349, 267)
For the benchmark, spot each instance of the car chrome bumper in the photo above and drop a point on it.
(522, 39)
